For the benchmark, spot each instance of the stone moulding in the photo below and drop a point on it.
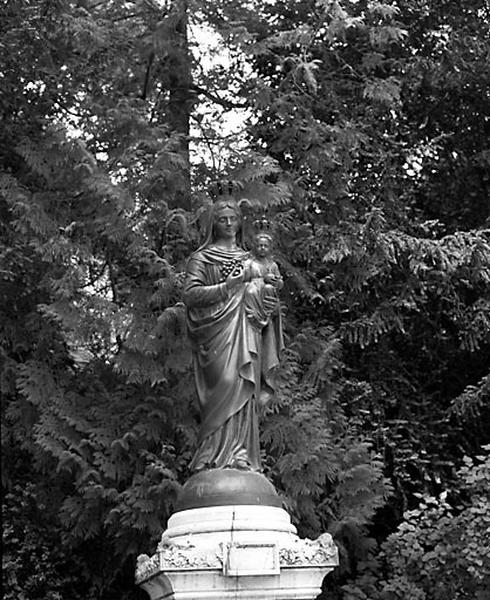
(308, 553)
(146, 567)
(178, 557)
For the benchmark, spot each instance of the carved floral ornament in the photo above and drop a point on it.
(170, 556)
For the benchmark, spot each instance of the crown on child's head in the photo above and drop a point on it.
(262, 225)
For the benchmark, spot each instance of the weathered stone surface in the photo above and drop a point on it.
(217, 523)
(239, 552)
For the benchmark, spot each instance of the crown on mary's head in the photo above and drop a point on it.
(223, 188)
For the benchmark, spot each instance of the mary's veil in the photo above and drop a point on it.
(214, 209)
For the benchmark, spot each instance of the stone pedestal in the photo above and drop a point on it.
(243, 551)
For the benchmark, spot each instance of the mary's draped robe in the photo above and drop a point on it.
(233, 362)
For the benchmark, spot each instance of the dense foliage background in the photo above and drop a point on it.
(361, 130)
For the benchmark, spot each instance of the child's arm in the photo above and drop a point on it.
(274, 276)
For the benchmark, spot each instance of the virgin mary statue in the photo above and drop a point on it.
(234, 358)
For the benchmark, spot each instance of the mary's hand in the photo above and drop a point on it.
(235, 279)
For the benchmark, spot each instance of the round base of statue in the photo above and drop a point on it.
(225, 487)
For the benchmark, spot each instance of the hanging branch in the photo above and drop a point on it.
(221, 101)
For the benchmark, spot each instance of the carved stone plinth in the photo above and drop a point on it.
(235, 552)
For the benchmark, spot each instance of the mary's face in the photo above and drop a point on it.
(226, 224)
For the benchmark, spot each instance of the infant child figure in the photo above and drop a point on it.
(261, 299)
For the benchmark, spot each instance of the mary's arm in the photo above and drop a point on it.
(198, 292)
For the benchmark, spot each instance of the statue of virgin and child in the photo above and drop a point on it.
(234, 325)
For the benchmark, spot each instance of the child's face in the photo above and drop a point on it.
(262, 247)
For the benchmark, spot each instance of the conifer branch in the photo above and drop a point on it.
(228, 104)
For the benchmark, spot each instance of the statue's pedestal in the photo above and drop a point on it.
(235, 552)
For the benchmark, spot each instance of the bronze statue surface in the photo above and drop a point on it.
(234, 325)
(220, 487)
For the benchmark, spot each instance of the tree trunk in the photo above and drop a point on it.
(181, 97)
